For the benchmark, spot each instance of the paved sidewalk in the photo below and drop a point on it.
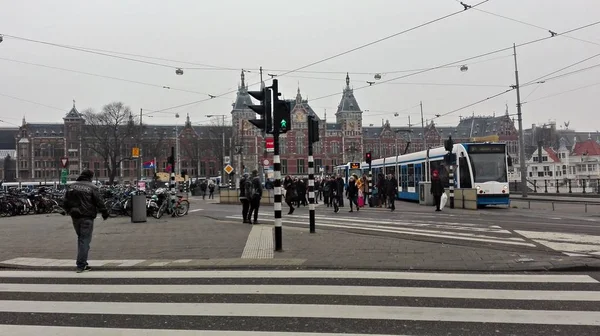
(195, 241)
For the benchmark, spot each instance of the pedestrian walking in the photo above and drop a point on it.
(244, 198)
(211, 191)
(352, 193)
(255, 196)
(437, 189)
(83, 202)
(203, 186)
(392, 191)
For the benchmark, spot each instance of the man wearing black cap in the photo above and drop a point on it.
(255, 196)
(82, 203)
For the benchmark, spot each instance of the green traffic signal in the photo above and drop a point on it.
(283, 123)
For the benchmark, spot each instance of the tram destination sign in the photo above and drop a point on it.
(486, 148)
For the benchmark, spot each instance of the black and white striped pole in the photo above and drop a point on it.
(449, 145)
(277, 197)
(276, 120)
(172, 185)
(368, 160)
(313, 136)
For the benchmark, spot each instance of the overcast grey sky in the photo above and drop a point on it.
(284, 35)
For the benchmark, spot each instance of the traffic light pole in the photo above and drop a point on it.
(311, 188)
(451, 181)
(172, 184)
(277, 196)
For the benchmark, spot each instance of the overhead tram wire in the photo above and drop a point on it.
(383, 39)
(344, 53)
(559, 70)
(460, 61)
(511, 89)
(561, 93)
(103, 76)
(535, 26)
(217, 67)
(32, 102)
(411, 74)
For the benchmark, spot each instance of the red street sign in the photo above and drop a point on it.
(64, 161)
(270, 145)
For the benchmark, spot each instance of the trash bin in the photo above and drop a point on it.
(138, 209)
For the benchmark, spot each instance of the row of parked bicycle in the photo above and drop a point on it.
(158, 202)
(117, 200)
(17, 203)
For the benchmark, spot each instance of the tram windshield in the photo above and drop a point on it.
(489, 167)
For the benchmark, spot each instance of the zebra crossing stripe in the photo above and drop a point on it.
(307, 274)
(415, 232)
(79, 331)
(559, 317)
(423, 292)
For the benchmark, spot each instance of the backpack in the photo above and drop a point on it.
(248, 189)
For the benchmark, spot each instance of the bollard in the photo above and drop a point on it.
(529, 205)
(557, 190)
(546, 186)
(535, 186)
(585, 207)
(552, 206)
(583, 181)
(570, 191)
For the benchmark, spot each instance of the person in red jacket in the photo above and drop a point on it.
(437, 189)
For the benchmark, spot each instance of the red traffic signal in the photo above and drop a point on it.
(368, 157)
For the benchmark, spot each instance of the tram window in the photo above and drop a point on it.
(411, 176)
(390, 170)
(404, 174)
(465, 175)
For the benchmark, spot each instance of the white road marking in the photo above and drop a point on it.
(565, 242)
(17, 330)
(260, 243)
(448, 235)
(307, 274)
(380, 291)
(195, 210)
(478, 315)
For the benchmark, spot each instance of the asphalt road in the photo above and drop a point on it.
(293, 302)
(502, 228)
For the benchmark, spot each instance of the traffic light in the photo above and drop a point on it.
(282, 116)
(449, 144)
(264, 110)
(313, 129)
(368, 158)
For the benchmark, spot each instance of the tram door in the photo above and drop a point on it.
(418, 175)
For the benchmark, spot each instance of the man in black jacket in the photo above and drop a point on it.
(256, 195)
(244, 199)
(82, 203)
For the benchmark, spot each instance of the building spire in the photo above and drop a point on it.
(243, 76)
(23, 123)
(73, 103)
(188, 123)
(347, 79)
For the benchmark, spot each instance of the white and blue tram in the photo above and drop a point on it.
(483, 166)
(349, 169)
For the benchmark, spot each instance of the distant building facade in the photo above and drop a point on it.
(204, 150)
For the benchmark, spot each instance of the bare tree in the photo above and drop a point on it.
(108, 132)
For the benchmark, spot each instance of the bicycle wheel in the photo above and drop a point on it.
(161, 210)
(182, 208)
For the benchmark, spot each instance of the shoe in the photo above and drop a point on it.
(246, 221)
(438, 210)
(255, 223)
(85, 269)
(291, 211)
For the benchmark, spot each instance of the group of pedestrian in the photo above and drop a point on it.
(250, 195)
(204, 186)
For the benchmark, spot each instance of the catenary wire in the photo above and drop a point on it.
(103, 76)
(463, 60)
(345, 52)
